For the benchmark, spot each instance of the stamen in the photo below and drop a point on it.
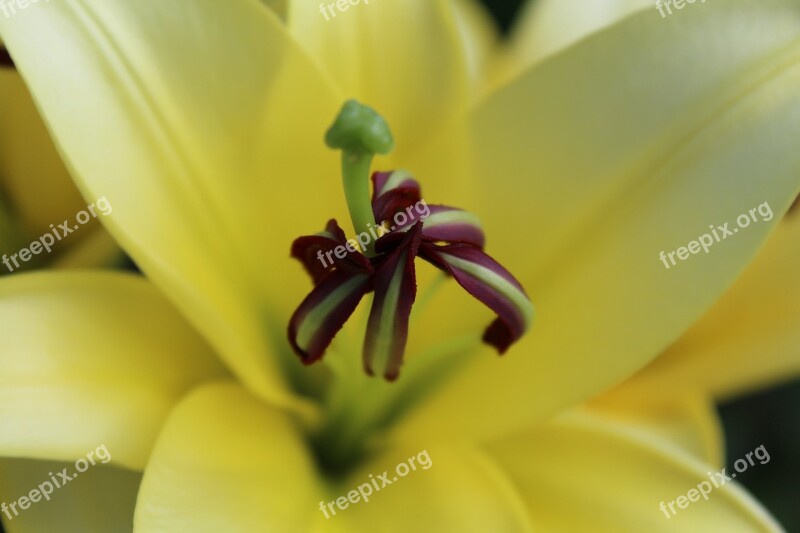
(447, 237)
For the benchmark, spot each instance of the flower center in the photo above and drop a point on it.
(394, 227)
(383, 262)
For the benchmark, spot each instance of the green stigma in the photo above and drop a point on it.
(360, 133)
(359, 129)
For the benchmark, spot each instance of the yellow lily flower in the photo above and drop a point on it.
(36, 190)
(200, 121)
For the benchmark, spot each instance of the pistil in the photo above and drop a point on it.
(360, 133)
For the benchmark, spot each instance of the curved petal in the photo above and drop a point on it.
(749, 339)
(280, 7)
(596, 169)
(480, 37)
(252, 472)
(32, 174)
(35, 188)
(11, 235)
(445, 488)
(100, 499)
(91, 358)
(404, 58)
(201, 122)
(691, 422)
(545, 27)
(96, 250)
(618, 476)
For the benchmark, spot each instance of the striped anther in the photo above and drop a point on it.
(487, 280)
(395, 291)
(312, 252)
(453, 225)
(393, 192)
(323, 313)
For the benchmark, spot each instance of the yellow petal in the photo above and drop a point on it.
(202, 124)
(584, 473)
(91, 358)
(431, 488)
(280, 7)
(101, 499)
(405, 58)
(595, 169)
(11, 235)
(227, 462)
(97, 249)
(545, 27)
(32, 174)
(441, 158)
(748, 340)
(480, 38)
(690, 422)
(35, 188)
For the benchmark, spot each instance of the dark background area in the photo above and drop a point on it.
(768, 418)
(504, 11)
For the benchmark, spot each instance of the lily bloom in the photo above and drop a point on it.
(201, 122)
